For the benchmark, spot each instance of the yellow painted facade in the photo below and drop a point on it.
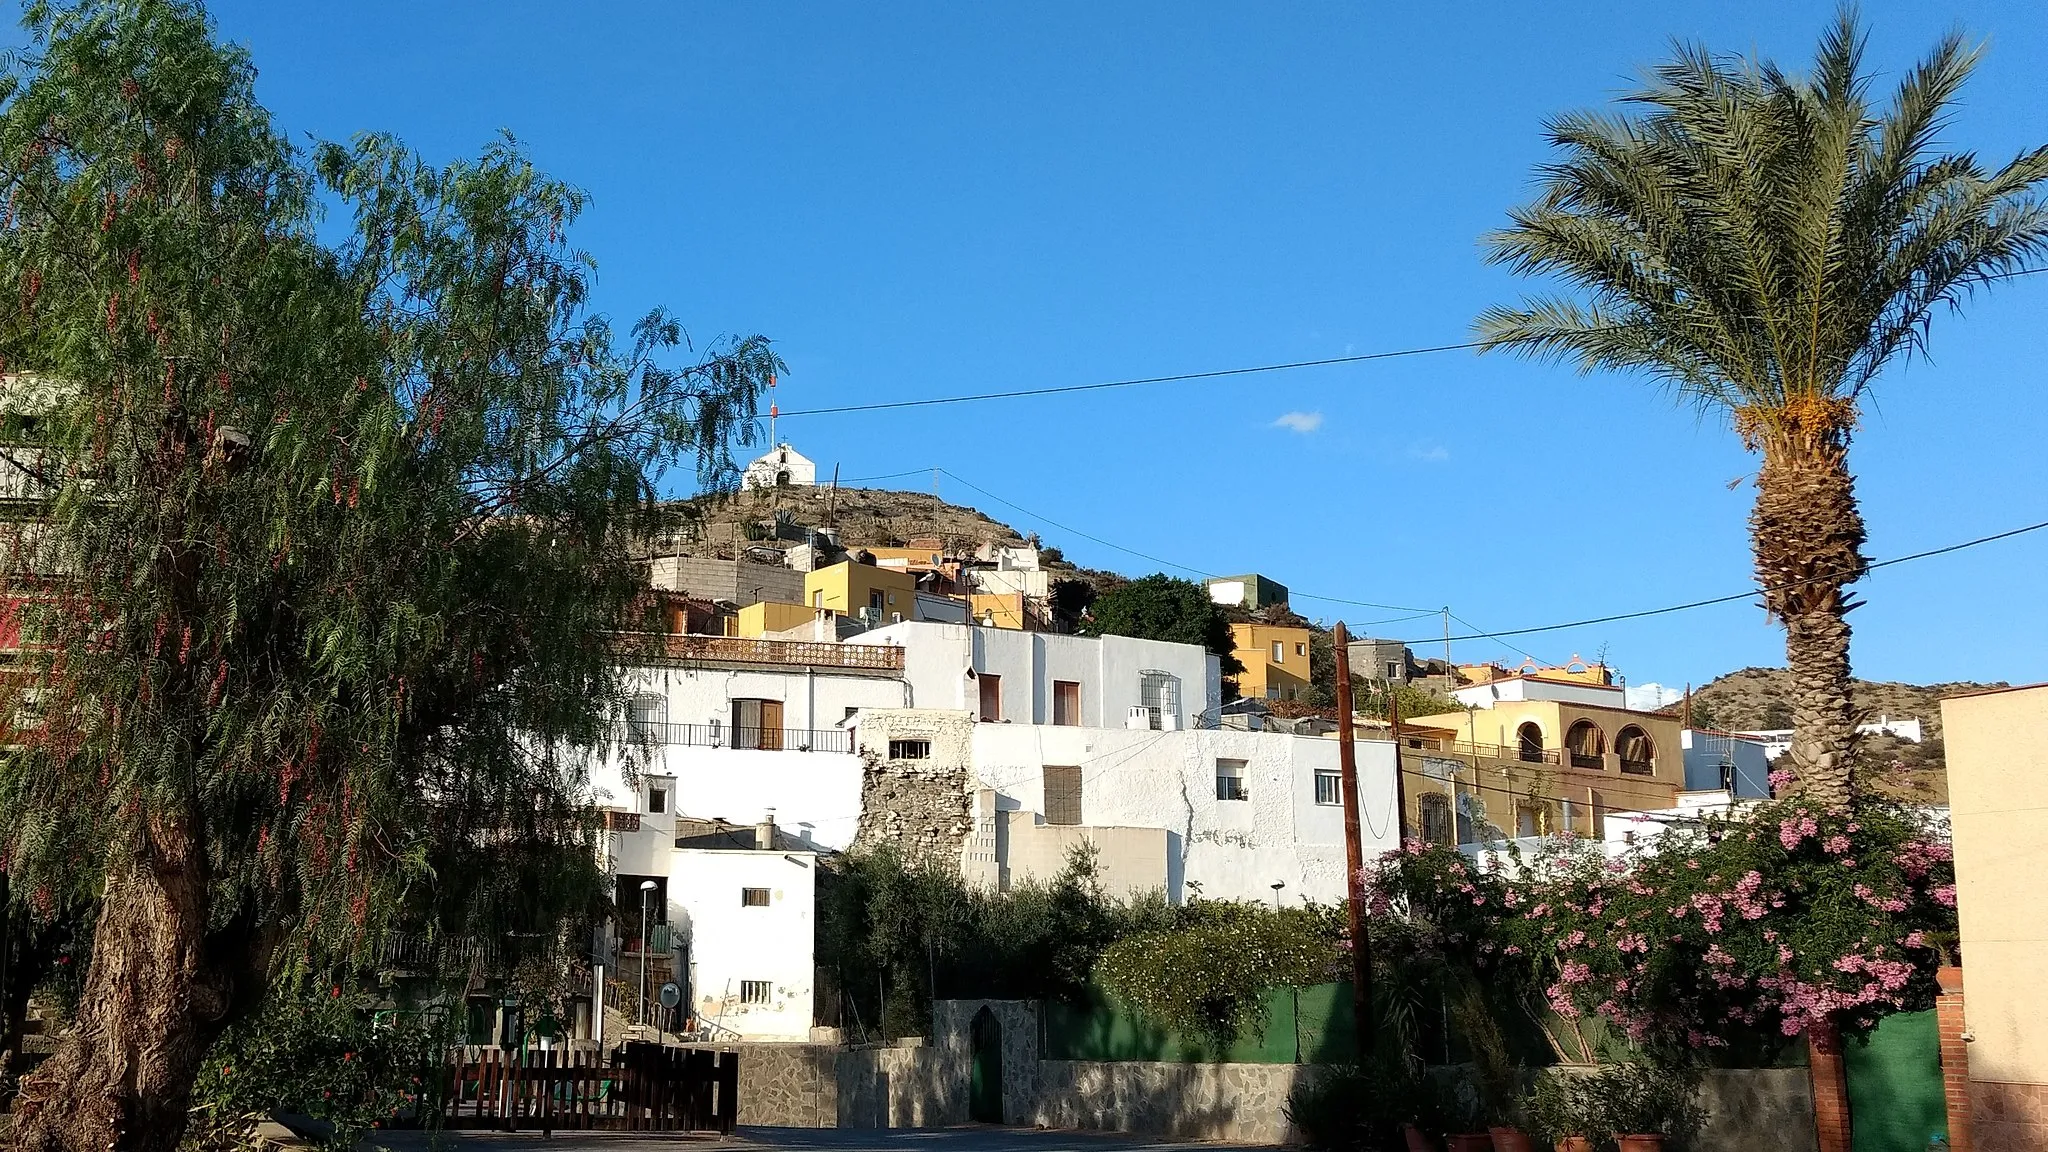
(770, 616)
(849, 588)
(1524, 760)
(1275, 659)
(1001, 609)
(1998, 817)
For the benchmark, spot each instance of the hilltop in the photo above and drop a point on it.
(711, 525)
(1760, 698)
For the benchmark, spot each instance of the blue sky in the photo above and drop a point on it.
(922, 200)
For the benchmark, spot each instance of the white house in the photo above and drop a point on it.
(1778, 741)
(1004, 675)
(749, 922)
(1525, 687)
(780, 467)
(1226, 813)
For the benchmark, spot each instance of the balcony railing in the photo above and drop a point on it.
(743, 737)
(1504, 752)
(784, 653)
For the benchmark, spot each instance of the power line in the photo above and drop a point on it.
(1213, 374)
(1838, 574)
(1418, 612)
(1134, 383)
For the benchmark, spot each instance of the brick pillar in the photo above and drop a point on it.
(1830, 1087)
(1955, 1057)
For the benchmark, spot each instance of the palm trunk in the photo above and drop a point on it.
(121, 1078)
(1808, 538)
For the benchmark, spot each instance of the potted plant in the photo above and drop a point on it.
(1560, 1107)
(1643, 1104)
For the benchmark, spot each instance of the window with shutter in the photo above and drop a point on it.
(1062, 794)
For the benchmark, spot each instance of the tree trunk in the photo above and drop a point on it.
(1808, 538)
(153, 1003)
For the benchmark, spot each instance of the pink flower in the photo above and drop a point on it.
(1945, 895)
(1835, 845)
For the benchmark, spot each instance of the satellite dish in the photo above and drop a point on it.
(671, 995)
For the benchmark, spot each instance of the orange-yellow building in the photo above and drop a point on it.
(852, 589)
(1275, 658)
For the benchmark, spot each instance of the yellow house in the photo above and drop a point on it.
(1005, 610)
(1275, 659)
(1534, 767)
(770, 616)
(851, 589)
(1998, 816)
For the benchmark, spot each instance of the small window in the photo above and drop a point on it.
(1230, 780)
(643, 717)
(753, 897)
(1279, 652)
(1066, 702)
(657, 800)
(910, 749)
(991, 698)
(1062, 794)
(1301, 649)
(1394, 670)
(1329, 788)
(754, 991)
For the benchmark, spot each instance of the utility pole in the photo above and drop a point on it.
(1400, 777)
(1354, 848)
(1447, 647)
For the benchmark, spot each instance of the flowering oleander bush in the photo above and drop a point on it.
(1770, 920)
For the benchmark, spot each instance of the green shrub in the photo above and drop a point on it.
(320, 1055)
(1207, 976)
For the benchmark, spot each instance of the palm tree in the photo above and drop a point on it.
(1764, 244)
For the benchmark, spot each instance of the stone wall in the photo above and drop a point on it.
(919, 807)
(1240, 1103)
(899, 1087)
(789, 1085)
(1768, 1109)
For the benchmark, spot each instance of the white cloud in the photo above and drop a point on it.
(1650, 697)
(1434, 454)
(1302, 422)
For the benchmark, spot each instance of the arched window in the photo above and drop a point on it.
(1436, 818)
(1529, 742)
(1586, 744)
(1637, 752)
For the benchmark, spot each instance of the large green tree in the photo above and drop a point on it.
(1765, 244)
(1162, 607)
(320, 605)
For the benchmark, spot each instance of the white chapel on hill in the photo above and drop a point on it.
(781, 467)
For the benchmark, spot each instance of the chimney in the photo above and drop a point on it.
(764, 832)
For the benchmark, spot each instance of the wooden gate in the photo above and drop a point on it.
(642, 1088)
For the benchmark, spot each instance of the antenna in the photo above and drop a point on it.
(773, 411)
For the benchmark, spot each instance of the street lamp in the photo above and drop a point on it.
(1277, 885)
(646, 894)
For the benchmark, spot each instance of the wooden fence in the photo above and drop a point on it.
(644, 1088)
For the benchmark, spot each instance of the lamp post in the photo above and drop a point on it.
(1276, 886)
(646, 894)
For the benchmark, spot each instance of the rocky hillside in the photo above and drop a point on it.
(865, 517)
(1761, 698)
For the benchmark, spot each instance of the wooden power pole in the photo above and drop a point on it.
(1354, 850)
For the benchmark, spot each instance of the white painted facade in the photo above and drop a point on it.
(1231, 849)
(1032, 582)
(1778, 741)
(1110, 671)
(750, 967)
(780, 466)
(1519, 688)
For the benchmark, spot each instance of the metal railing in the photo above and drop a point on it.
(786, 653)
(1503, 752)
(742, 737)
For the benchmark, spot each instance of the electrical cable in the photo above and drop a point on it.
(1821, 579)
(1217, 373)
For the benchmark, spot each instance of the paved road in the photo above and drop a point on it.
(969, 1139)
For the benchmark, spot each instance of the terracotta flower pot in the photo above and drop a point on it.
(1949, 977)
(1575, 1144)
(1417, 1142)
(1640, 1143)
(1510, 1139)
(1468, 1142)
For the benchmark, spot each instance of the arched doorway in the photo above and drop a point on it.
(985, 1080)
(1529, 742)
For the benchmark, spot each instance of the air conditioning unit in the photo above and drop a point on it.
(895, 617)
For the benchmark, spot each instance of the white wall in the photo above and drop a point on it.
(815, 795)
(937, 656)
(730, 943)
(810, 699)
(1522, 688)
(1167, 780)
